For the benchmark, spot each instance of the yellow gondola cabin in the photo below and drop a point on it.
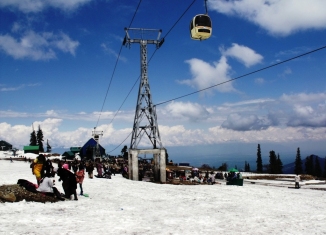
(200, 27)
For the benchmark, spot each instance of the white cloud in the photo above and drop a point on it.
(271, 134)
(287, 71)
(217, 75)
(35, 6)
(278, 17)
(64, 43)
(244, 54)
(4, 88)
(11, 88)
(206, 75)
(246, 122)
(296, 117)
(303, 98)
(51, 113)
(37, 46)
(298, 110)
(260, 81)
(185, 110)
(303, 110)
(308, 116)
(249, 102)
(180, 136)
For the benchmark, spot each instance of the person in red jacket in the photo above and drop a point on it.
(80, 175)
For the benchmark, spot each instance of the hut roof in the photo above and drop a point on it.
(91, 143)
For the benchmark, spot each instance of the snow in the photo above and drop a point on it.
(121, 206)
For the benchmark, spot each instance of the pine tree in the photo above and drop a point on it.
(166, 157)
(298, 163)
(33, 140)
(259, 160)
(39, 136)
(272, 162)
(309, 165)
(223, 167)
(279, 165)
(324, 175)
(245, 167)
(48, 147)
(317, 168)
(124, 152)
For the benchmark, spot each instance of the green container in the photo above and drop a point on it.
(238, 182)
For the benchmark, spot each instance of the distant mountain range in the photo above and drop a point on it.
(289, 168)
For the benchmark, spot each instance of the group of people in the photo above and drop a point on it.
(44, 172)
(208, 178)
(71, 174)
(232, 175)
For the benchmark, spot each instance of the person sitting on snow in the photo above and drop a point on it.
(47, 186)
(107, 173)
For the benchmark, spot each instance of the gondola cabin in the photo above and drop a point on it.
(200, 27)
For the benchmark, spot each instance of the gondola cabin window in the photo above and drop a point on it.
(200, 27)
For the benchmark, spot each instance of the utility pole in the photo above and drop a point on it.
(145, 120)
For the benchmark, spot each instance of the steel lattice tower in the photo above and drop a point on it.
(145, 121)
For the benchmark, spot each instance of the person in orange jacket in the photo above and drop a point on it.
(37, 167)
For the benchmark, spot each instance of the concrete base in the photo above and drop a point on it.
(159, 163)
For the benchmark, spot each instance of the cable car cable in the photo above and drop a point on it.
(107, 90)
(256, 71)
(206, 7)
(244, 75)
(247, 74)
(179, 19)
(120, 143)
(148, 63)
(151, 59)
(115, 66)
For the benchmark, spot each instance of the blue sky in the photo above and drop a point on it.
(58, 58)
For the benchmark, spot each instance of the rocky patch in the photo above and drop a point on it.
(16, 193)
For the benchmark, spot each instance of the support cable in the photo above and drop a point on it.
(120, 143)
(245, 75)
(115, 66)
(179, 18)
(151, 58)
